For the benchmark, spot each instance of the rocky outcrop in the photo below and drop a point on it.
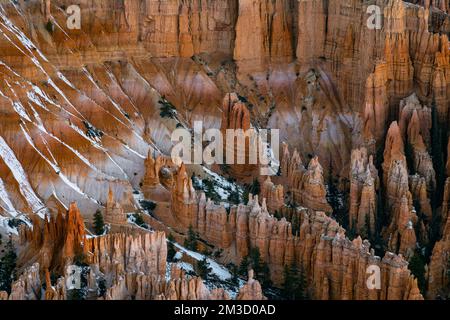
(80, 112)
(135, 266)
(184, 203)
(273, 194)
(320, 248)
(418, 187)
(398, 198)
(438, 4)
(158, 179)
(309, 187)
(263, 34)
(395, 170)
(251, 290)
(114, 213)
(438, 276)
(119, 253)
(402, 235)
(171, 29)
(417, 128)
(364, 183)
(178, 287)
(446, 204)
(421, 124)
(333, 272)
(28, 286)
(57, 242)
(235, 117)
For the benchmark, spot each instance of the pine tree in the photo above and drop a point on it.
(448, 267)
(167, 109)
(367, 233)
(99, 223)
(417, 268)
(437, 154)
(260, 268)
(264, 275)
(255, 188)
(171, 251)
(139, 221)
(234, 197)
(203, 268)
(191, 241)
(295, 224)
(255, 260)
(300, 290)
(244, 267)
(49, 26)
(278, 215)
(294, 283)
(287, 287)
(246, 195)
(234, 274)
(8, 267)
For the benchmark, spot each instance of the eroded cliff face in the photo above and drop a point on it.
(100, 114)
(320, 246)
(365, 111)
(122, 265)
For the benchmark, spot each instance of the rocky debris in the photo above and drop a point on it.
(3, 296)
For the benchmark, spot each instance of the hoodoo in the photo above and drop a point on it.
(357, 118)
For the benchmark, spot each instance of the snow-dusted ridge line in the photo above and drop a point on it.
(57, 169)
(8, 156)
(4, 197)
